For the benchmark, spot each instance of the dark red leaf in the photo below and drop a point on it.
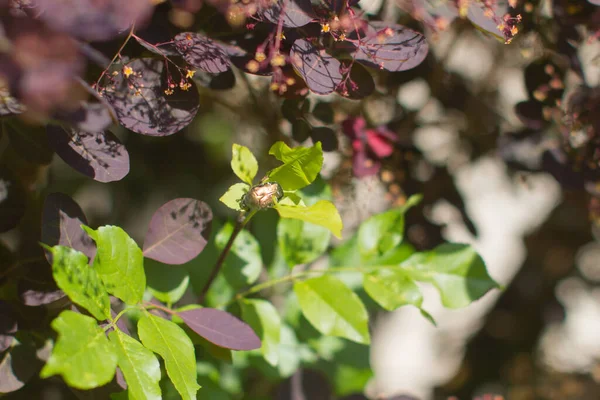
(61, 225)
(202, 52)
(17, 366)
(12, 200)
(326, 136)
(90, 117)
(142, 105)
(295, 13)
(29, 141)
(320, 70)
(362, 164)
(93, 20)
(100, 156)
(359, 85)
(178, 231)
(392, 47)
(379, 144)
(8, 325)
(531, 114)
(33, 297)
(221, 328)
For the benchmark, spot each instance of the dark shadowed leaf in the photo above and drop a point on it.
(222, 81)
(360, 84)
(93, 20)
(221, 328)
(17, 367)
(531, 114)
(202, 52)
(12, 200)
(142, 105)
(178, 231)
(8, 325)
(320, 70)
(61, 224)
(323, 111)
(326, 136)
(301, 130)
(295, 13)
(90, 117)
(29, 141)
(392, 47)
(99, 155)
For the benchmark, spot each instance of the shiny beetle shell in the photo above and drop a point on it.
(262, 196)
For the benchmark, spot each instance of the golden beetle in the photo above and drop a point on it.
(261, 196)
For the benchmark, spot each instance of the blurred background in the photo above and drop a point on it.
(501, 139)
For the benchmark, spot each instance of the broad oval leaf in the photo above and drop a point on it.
(166, 284)
(322, 213)
(99, 155)
(295, 13)
(381, 233)
(392, 47)
(139, 366)
(91, 117)
(234, 194)
(93, 20)
(456, 270)
(79, 281)
(301, 165)
(221, 328)
(175, 347)
(265, 321)
(320, 70)
(243, 263)
(18, 365)
(119, 263)
(13, 200)
(82, 354)
(29, 141)
(142, 105)
(202, 52)
(333, 309)
(391, 288)
(178, 231)
(243, 163)
(61, 225)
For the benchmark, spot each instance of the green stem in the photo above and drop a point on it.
(303, 274)
(219, 264)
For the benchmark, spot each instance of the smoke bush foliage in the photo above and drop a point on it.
(202, 307)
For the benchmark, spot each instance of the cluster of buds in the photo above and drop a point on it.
(184, 83)
(508, 27)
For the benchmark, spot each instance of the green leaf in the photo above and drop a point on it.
(456, 270)
(322, 213)
(301, 165)
(119, 262)
(301, 242)
(175, 347)
(166, 283)
(139, 365)
(391, 288)
(243, 163)
(381, 233)
(82, 353)
(243, 262)
(79, 281)
(232, 197)
(265, 321)
(333, 309)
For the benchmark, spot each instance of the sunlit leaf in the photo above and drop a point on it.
(82, 354)
(178, 231)
(119, 263)
(391, 288)
(232, 197)
(333, 309)
(295, 13)
(175, 347)
(202, 52)
(456, 270)
(243, 163)
(322, 213)
(301, 165)
(80, 282)
(320, 70)
(139, 366)
(17, 367)
(265, 321)
(243, 263)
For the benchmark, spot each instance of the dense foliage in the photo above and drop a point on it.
(229, 303)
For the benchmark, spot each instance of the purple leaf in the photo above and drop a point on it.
(223, 81)
(202, 52)
(120, 379)
(17, 366)
(8, 325)
(360, 84)
(90, 117)
(320, 70)
(392, 47)
(295, 13)
(93, 20)
(142, 105)
(178, 231)
(98, 155)
(33, 297)
(61, 225)
(12, 200)
(29, 141)
(221, 328)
